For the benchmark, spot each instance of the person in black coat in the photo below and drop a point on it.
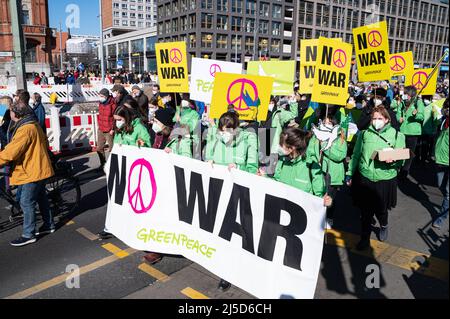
(377, 98)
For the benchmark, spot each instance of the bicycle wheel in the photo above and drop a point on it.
(64, 194)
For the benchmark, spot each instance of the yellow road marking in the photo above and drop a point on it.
(392, 255)
(155, 273)
(86, 233)
(193, 294)
(70, 222)
(62, 278)
(115, 250)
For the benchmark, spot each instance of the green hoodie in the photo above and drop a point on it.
(299, 174)
(441, 152)
(412, 124)
(369, 141)
(430, 120)
(139, 132)
(242, 150)
(279, 119)
(181, 146)
(188, 117)
(332, 159)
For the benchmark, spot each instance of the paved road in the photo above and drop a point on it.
(413, 263)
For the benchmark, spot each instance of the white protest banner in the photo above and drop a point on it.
(262, 236)
(203, 72)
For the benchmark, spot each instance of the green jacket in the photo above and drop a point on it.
(299, 174)
(412, 124)
(181, 146)
(242, 151)
(139, 132)
(368, 142)
(332, 160)
(395, 105)
(188, 117)
(279, 119)
(430, 120)
(441, 151)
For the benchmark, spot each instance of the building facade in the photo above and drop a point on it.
(39, 38)
(232, 30)
(122, 16)
(133, 51)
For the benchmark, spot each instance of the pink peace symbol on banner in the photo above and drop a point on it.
(138, 197)
(419, 79)
(243, 85)
(375, 39)
(213, 69)
(176, 56)
(397, 63)
(339, 58)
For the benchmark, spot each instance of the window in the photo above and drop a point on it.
(250, 25)
(150, 44)
(207, 20)
(222, 41)
(125, 23)
(263, 27)
(222, 22)
(116, 5)
(124, 6)
(236, 6)
(276, 11)
(236, 23)
(140, 8)
(137, 45)
(207, 4)
(123, 48)
(192, 21)
(264, 9)
(192, 41)
(275, 46)
(175, 25)
(133, 15)
(323, 16)
(116, 22)
(207, 40)
(250, 44)
(25, 15)
(250, 7)
(124, 14)
(236, 42)
(184, 23)
(140, 24)
(132, 23)
(116, 14)
(132, 7)
(222, 5)
(276, 27)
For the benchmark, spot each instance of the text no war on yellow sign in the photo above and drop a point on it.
(171, 58)
(332, 71)
(372, 52)
(308, 58)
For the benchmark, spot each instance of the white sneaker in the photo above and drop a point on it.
(329, 223)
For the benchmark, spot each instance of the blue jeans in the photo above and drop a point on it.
(442, 177)
(30, 195)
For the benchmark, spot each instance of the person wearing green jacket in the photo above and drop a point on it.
(331, 160)
(410, 116)
(374, 182)
(442, 164)
(129, 131)
(431, 122)
(293, 167)
(228, 144)
(287, 110)
(180, 142)
(186, 115)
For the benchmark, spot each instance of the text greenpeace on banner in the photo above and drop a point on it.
(171, 58)
(308, 58)
(332, 72)
(401, 64)
(419, 78)
(203, 73)
(250, 95)
(372, 52)
(262, 236)
(283, 73)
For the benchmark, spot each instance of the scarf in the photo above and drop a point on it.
(14, 126)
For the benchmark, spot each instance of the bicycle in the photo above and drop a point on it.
(63, 192)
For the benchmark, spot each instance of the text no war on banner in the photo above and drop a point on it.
(308, 58)
(203, 73)
(332, 72)
(401, 63)
(372, 52)
(283, 73)
(171, 58)
(419, 78)
(262, 236)
(250, 95)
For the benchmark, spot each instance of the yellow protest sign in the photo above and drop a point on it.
(372, 52)
(332, 72)
(419, 79)
(250, 95)
(308, 58)
(171, 59)
(283, 73)
(401, 64)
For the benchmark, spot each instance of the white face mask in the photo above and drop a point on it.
(156, 128)
(155, 92)
(378, 124)
(271, 106)
(114, 94)
(426, 102)
(226, 137)
(378, 102)
(137, 94)
(120, 124)
(184, 104)
(281, 151)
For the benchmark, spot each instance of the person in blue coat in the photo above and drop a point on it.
(39, 110)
